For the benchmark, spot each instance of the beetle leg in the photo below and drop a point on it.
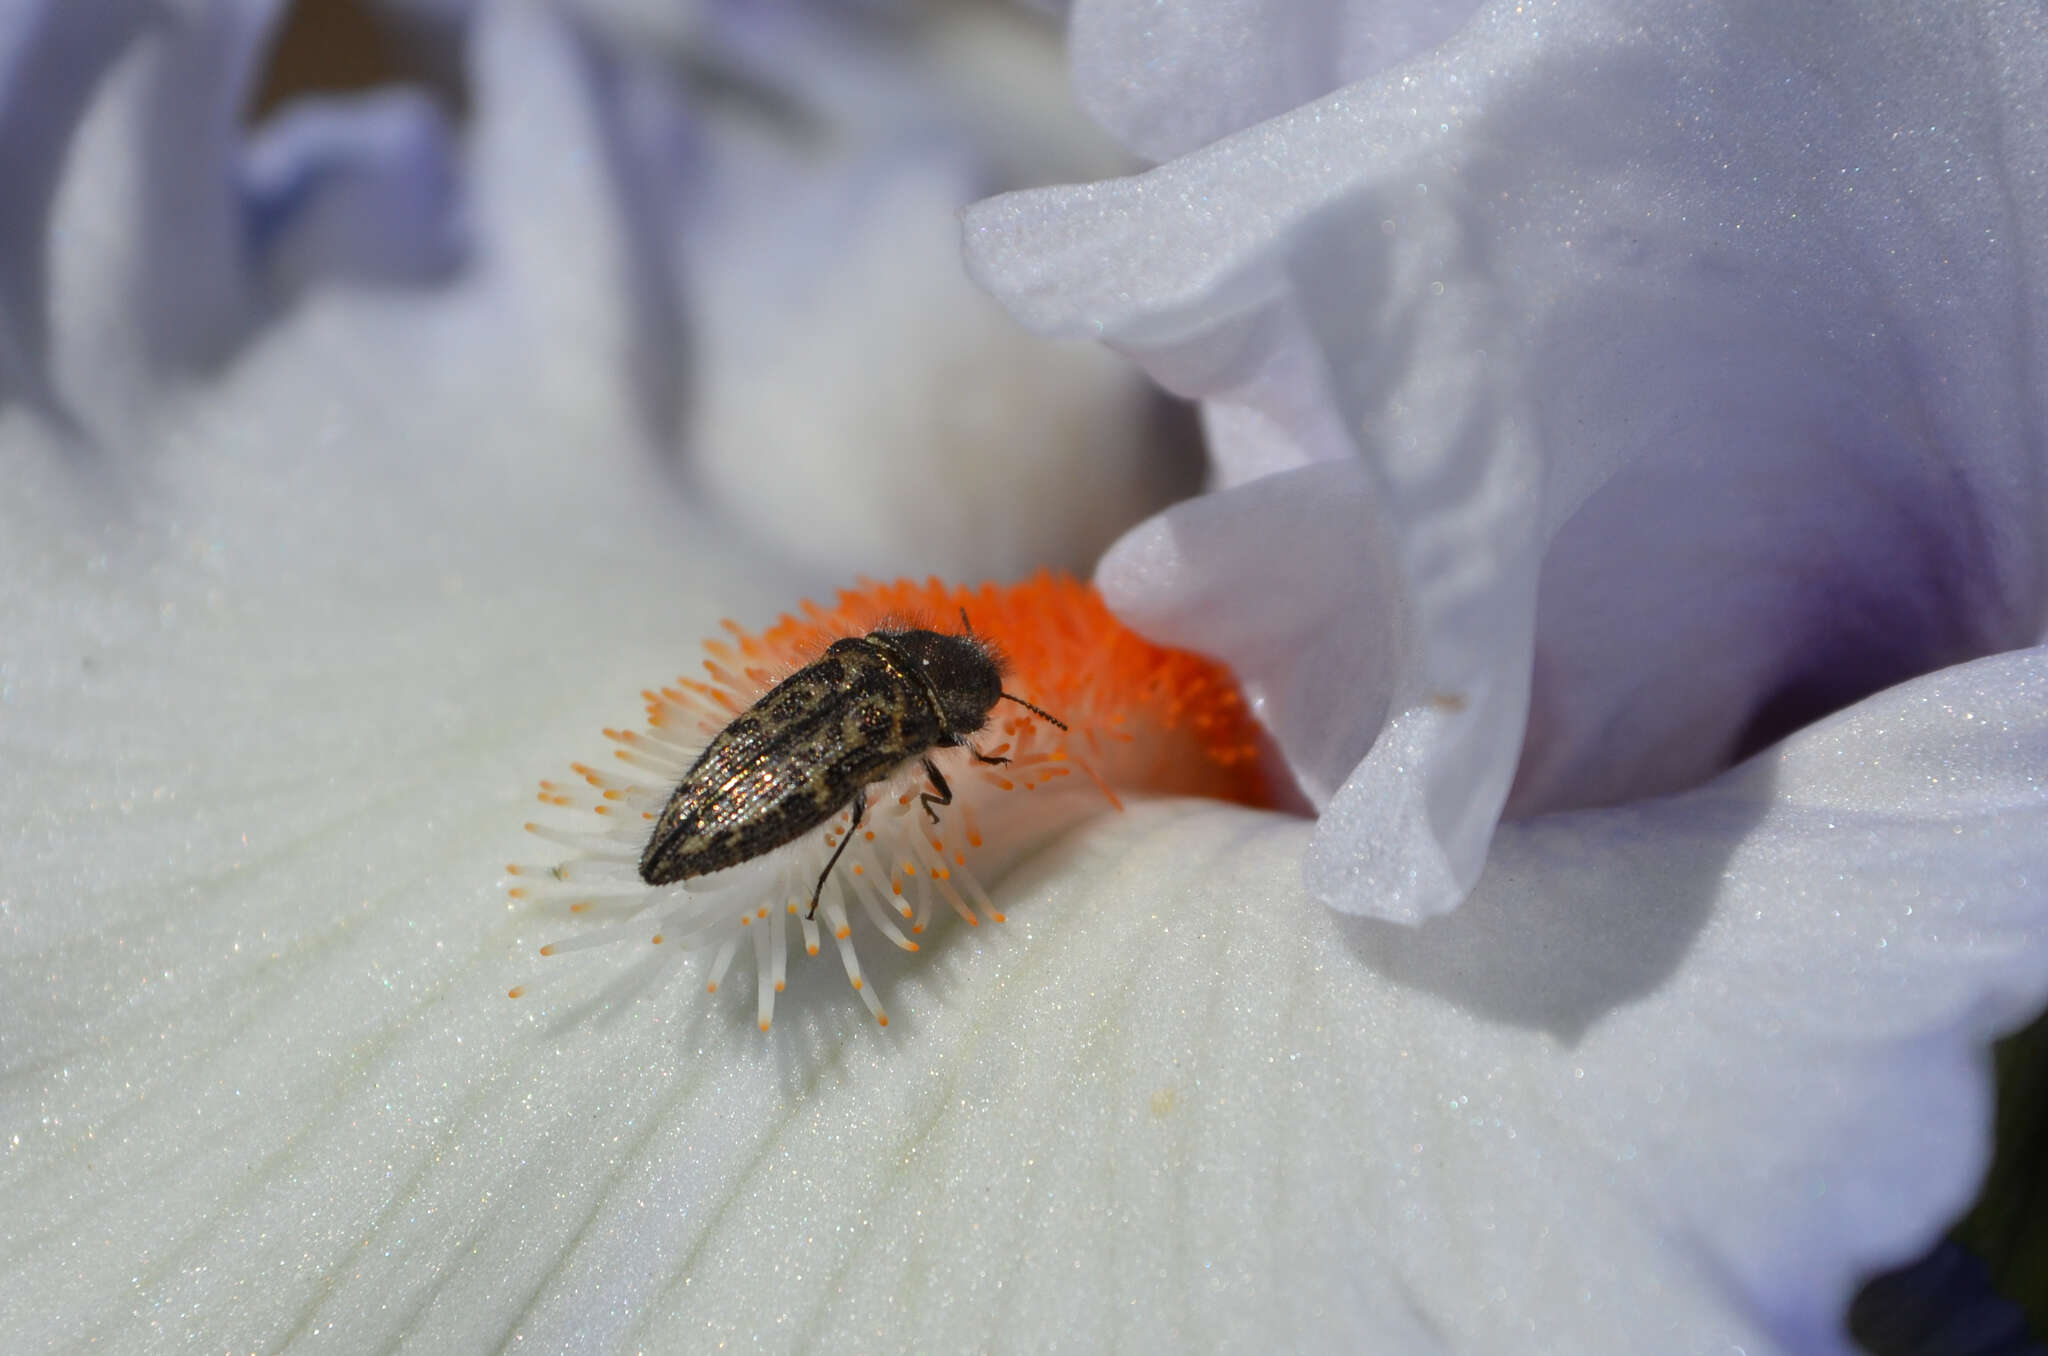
(860, 801)
(981, 757)
(944, 796)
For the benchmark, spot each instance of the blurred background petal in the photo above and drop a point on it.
(358, 191)
(806, 163)
(52, 56)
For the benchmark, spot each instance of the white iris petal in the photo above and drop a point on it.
(286, 652)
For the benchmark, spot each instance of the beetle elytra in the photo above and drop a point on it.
(818, 739)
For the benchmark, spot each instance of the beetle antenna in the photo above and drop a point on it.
(963, 619)
(1039, 710)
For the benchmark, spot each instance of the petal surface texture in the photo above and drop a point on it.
(1169, 78)
(1692, 387)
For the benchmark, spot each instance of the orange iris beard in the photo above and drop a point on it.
(1140, 716)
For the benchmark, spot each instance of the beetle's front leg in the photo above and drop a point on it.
(945, 792)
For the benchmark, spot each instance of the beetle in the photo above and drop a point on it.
(818, 739)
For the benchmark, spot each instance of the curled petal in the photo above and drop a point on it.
(1303, 671)
(1692, 456)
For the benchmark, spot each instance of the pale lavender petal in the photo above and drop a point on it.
(1769, 996)
(1168, 78)
(1689, 379)
(1454, 466)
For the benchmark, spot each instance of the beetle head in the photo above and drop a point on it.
(962, 671)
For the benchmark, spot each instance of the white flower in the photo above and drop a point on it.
(297, 612)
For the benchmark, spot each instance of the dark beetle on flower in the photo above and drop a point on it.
(818, 739)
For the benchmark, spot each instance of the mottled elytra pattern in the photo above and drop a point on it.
(816, 741)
